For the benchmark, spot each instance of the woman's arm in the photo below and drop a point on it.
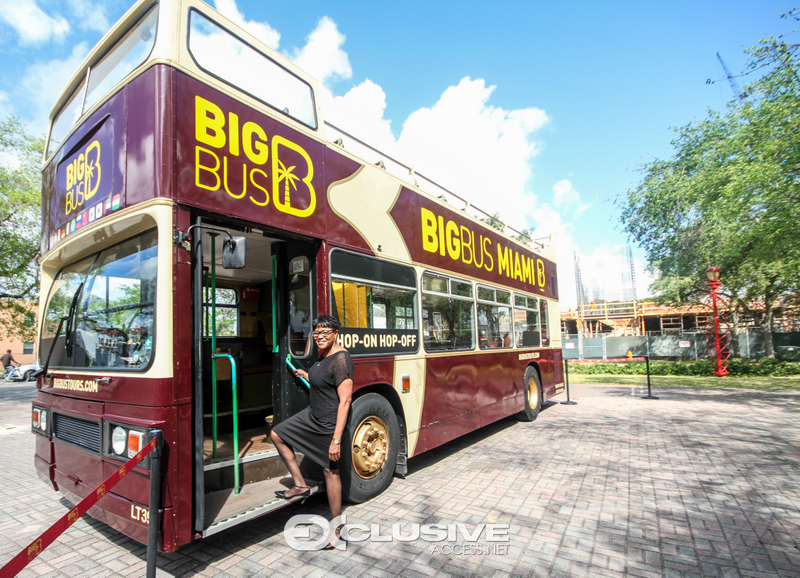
(345, 392)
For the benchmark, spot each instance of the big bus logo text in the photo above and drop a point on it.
(289, 184)
(460, 243)
(83, 178)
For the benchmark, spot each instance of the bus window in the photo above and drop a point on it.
(371, 294)
(227, 312)
(526, 321)
(230, 59)
(447, 313)
(494, 318)
(114, 320)
(300, 312)
(543, 312)
(131, 50)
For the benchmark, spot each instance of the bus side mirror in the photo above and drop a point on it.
(233, 253)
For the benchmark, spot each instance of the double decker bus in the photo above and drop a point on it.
(198, 213)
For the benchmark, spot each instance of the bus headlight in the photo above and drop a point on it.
(119, 440)
(39, 419)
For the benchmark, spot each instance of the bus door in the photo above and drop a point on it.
(246, 321)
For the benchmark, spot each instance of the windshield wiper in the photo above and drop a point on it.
(70, 333)
(68, 317)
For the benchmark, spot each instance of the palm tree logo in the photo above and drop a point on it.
(289, 181)
(91, 182)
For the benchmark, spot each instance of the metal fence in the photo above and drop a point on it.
(748, 344)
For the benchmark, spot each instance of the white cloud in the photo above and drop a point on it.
(89, 15)
(322, 56)
(565, 193)
(566, 197)
(261, 30)
(360, 111)
(5, 105)
(482, 152)
(32, 24)
(44, 82)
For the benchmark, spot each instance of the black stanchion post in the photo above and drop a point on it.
(566, 379)
(647, 365)
(155, 499)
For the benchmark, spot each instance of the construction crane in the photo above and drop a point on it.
(734, 86)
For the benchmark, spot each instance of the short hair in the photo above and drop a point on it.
(9, 351)
(326, 321)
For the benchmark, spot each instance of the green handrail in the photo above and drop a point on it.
(214, 357)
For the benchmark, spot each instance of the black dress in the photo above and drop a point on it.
(311, 430)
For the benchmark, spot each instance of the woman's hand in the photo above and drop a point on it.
(301, 373)
(334, 452)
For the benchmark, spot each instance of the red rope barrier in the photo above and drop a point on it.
(26, 556)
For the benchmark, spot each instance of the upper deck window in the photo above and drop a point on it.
(235, 62)
(130, 51)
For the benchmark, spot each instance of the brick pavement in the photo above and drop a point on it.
(702, 482)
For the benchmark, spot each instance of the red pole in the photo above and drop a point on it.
(720, 371)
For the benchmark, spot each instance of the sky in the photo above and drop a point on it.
(541, 111)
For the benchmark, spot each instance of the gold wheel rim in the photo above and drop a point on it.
(370, 447)
(533, 393)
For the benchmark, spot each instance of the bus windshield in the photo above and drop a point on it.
(114, 324)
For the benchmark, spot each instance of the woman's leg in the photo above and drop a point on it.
(288, 457)
(333, 487)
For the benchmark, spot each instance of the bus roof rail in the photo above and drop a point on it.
(409, 174)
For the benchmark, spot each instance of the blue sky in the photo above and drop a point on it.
(539, 110)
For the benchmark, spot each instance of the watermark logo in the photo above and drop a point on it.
(311, 532)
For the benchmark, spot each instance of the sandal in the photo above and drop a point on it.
(282, 493)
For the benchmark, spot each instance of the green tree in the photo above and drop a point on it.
(729, 197)
(20, 226)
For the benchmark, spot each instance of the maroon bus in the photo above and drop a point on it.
(198, 213)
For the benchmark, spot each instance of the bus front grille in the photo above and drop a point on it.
(83, 433)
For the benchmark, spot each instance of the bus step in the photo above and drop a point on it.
(227, 510)
(253, 468)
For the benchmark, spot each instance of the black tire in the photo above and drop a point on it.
(27, 376)
(533, 396)
(366, 474)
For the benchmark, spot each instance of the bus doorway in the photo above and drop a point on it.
(246, 321)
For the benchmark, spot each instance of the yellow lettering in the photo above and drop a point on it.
(70, 175)
(453, 244)
(92, 179)
(225, 179)
(466, 243)
(256, 185)
(79, 169)
(517, 268)
(256, 150)
(233, 134)
(504, 261)
(488, 253)
(540, 272)
(281, 174)
(429, 239)
(209, 124)
(199, 167)
(442, 247)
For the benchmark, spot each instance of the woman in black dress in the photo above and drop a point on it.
(317, 430)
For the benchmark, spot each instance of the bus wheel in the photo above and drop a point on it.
(370, 454)
(533, 396)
